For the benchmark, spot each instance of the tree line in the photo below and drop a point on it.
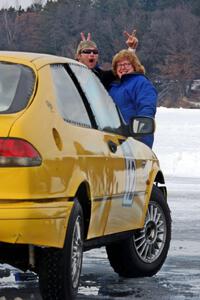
(168, 32)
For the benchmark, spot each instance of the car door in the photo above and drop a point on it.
(120, 166)
(84, 146)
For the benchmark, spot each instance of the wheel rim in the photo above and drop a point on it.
(77, 252)
(150, 240)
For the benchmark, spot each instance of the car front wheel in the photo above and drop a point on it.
(144, 253)
(59, 269)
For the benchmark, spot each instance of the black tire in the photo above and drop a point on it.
(144, 253)
(59, 269)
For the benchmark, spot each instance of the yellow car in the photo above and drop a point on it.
(74, 176)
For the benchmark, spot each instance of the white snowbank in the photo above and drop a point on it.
(177, 141)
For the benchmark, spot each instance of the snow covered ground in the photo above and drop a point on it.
(177, 141)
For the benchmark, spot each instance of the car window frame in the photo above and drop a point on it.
(122, 130)
(82, 95)
(76, 123)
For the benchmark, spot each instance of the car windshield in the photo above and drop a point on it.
(16, 87)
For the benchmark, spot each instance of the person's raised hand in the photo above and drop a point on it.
(131, 41)
(83, 38)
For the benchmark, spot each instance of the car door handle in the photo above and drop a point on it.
(112, 146)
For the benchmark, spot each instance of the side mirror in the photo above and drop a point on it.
(140, 126)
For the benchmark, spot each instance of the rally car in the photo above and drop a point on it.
(74, 176)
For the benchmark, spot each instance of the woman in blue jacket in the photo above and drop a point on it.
(133, 93)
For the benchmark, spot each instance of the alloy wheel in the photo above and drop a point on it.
(150, 240)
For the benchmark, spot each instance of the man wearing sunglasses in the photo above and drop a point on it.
(88, 54)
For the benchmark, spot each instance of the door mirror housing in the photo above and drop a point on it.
(140, 126)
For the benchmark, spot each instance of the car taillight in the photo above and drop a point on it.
(17, 152)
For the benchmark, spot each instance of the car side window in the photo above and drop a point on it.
(69, 101)
(102, 105)
(16, 87)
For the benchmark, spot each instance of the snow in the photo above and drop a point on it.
(177, 141)
(16, 3)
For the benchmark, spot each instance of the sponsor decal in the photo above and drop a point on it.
(130, 178)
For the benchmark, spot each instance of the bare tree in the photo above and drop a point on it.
(10, 26)
(171, 48)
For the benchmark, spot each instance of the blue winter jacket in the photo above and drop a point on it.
(135, 95)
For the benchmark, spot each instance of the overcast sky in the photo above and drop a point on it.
(23, 3)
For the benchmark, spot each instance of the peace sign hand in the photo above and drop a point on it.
(83, 38)
(131, 41)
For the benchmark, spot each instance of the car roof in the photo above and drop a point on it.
(38, 59)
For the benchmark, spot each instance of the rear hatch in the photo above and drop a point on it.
(17, 84)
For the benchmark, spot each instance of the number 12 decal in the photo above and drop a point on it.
(130, 180)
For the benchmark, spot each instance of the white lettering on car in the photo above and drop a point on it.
(130, 179)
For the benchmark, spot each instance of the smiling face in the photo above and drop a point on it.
(124, 67)
(89, 57)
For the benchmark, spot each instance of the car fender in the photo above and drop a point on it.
(156, 177)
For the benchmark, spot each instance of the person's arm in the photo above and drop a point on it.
(146, 97)
(146, 101)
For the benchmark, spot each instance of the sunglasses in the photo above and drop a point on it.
(89, 51)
